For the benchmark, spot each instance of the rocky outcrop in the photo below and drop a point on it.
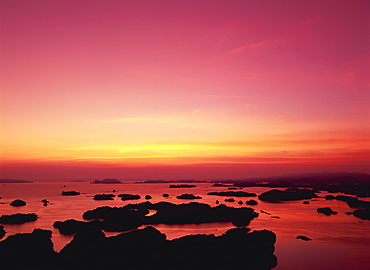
(251, 202)
(290, 194)
(18, 203)
(304, 238)
(362, 213)
(17, 218)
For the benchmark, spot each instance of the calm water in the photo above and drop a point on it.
(339, 241)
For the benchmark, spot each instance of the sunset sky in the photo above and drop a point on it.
(176, 89)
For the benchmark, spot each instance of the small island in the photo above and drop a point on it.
(107, 181)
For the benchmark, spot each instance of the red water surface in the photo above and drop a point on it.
(338, 241)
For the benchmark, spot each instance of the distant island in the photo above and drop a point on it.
(107, 181)
(14, 181)
(172, 181)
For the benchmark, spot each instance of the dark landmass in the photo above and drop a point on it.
(70, 193)
(14, 181)
(165, 195)
(351, 201)
(230, 200)
(72, 226)
(142, 249)
(172, 181)
(220, 185)
(362, 213)
(327, 211)
(2, 231)
(107, 181)
(134, 215)
(290, 194)
(148, 197)
(188, 197)
(126, 197)
(304, 238)
(251, 202)
(18, 203)
(17, 218)
(233, 194)
(98, 197)
(29, 251)
(182, 186)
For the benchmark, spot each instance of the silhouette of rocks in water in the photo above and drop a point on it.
(148, 197)
(165, 195)
(306, 202)
(230, 200)
(28, 251)
(351, 201)
(126, 197)
(304, 238)
(18, 203)
(70, 193)
(148, 249)
(107, 181)
(327, 211)
(134, 215)
(362, 213)
(188, 196)
(72, 226)
(233, 194)
(183, 186)
(251, 202)
(290, 194)
(45, 202)
(17, 218)
(99, 197)
(2, 232)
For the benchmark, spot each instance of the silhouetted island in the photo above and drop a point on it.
(18, 202)
(107, 181)
(188, 196)
(2, 231)
(98, 197)
(233, 194)
(17, 218)
(125, 197)
(304, 238)
(290, 194)
(182, 186)
(70, 193)
(327, 211)
(14, 181)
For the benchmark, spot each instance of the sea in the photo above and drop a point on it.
(339, 241)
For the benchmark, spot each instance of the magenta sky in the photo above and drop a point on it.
(177, 89)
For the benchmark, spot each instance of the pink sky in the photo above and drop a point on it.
(178, 89)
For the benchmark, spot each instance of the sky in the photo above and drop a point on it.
(170, 89)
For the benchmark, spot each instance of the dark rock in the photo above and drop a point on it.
(251, 202)
(28, 251)
(148, 197)
(126, 197)
(329, 197)
(362, 213)
(17, 218)
(230, 200)
(306, 202)
(107, 181)
(275, 217)
(183, 186)
(104, 197)
(70, 193)
(217, 202)
(240, 202)
(233, 194)
(2, 231)
(327, 211)
(18, 203)
(304, 238)
(220, 185)
(165, 195)
(188, 196)
(353, 202)
(287, 195)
